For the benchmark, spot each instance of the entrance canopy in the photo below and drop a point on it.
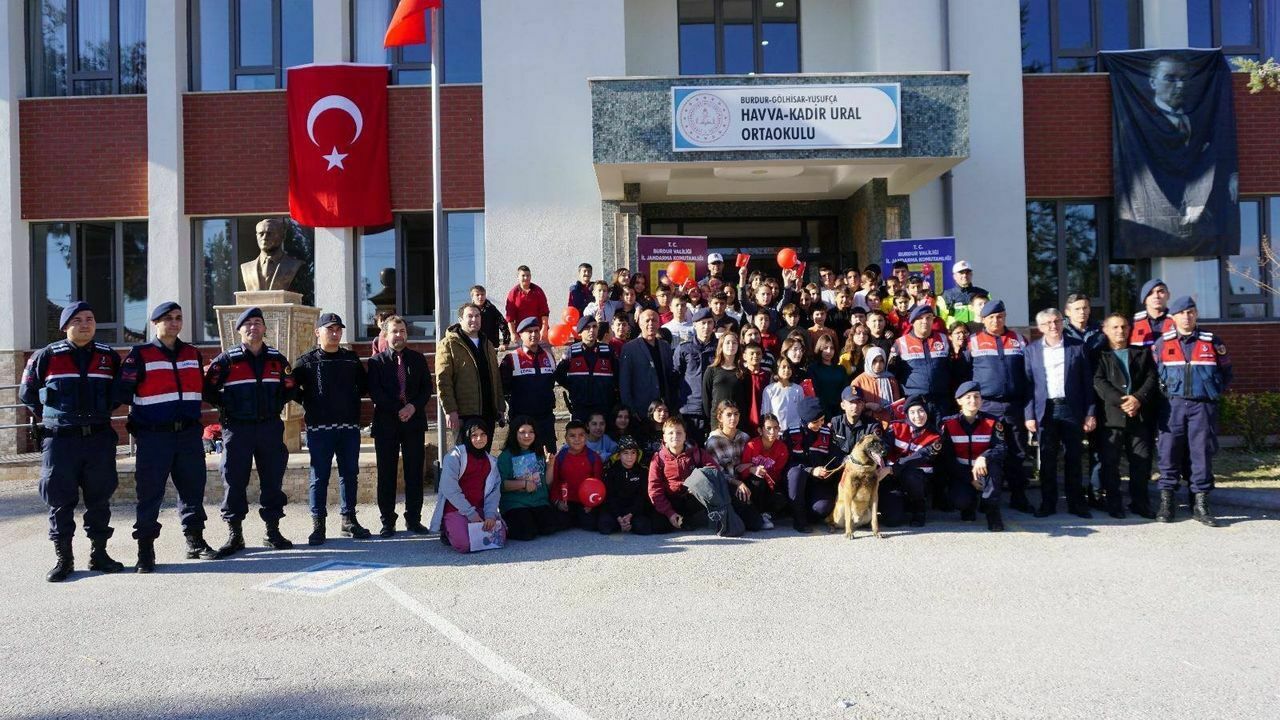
(775, 137)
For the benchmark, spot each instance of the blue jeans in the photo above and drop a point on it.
(324, 445)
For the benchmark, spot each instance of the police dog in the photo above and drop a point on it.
(858, 499)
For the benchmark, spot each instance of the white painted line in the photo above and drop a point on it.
(527, 686)
(326, 578)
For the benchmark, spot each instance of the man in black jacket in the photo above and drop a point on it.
(1126, 383)
(492, 324)
(331, 380)
(399, 386)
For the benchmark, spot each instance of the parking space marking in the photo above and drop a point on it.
(542, 696)
(326, 578)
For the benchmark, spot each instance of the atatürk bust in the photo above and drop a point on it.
(274, 269)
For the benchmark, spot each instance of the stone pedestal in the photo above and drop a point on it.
(290, 329)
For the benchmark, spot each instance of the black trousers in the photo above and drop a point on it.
(904, 493)
(693, 512)
(696, 428)
(1135, 444)
(73, 467)
(249, 445)
(1015, 443)
(1060, 432)
(642, 523)
(527, 523)
(390, 444)
(162, 455)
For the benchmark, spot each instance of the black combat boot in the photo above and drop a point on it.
(197, 548)
(995, 523)
(235, 540)
(1167, 503)
(353, 529)
(317, 531)
(146, 557)
(1200, 510)
(274, 539)
(99, 559)
(66, 562)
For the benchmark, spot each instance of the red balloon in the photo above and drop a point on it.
(570, 316)
(677, 272)
(591, 492)
(560, 334)
(787, 258)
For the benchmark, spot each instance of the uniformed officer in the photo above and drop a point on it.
(957, 300)
(973, 449)
(1194, 372)
(689, 362)
(996, 353)
(589, 372)
(1153, 321)
(163, 382)
(920, 361)
(528, 381)
(331, 380)
(914, 447)
(69, 386)
(251, 383)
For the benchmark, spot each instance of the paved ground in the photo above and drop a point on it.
(1056, 618)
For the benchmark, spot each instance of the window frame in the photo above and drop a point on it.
(35, 49)
(39, 289)
(1101, 303)
(1226, 298)
(1215, 31)
(757, 29)
(1057, 52)
(397, 64)
(234, 67)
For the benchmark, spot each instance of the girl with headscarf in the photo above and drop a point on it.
(470, 488)
(878, 385)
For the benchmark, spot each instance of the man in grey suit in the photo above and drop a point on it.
(645, 368)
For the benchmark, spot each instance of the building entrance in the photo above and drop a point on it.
(815, 239)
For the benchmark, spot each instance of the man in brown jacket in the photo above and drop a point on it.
(467, 379)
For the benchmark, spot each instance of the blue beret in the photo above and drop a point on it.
(70, 311)
(918, 311)
(851, 393)
(163, 309)
(584, 321)
(966, 388)
(992, 308)
(527, 323)
(1148, 286)
(701, 314)
(810, 409)
(245, 316)
(1182, 303)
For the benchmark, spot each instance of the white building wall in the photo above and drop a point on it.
(653, 41)
(989, 189)
(15, 253)
(542, 202)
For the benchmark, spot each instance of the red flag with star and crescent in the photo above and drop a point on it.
(339, 168)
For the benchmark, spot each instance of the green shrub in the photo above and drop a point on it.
(1251, 416)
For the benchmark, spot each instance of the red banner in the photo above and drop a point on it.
(339, 172)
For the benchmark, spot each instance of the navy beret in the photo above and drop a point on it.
(919, 311)
(966, 388)
(527, 323)
(70, 311)
(245, 316)
(992, 308)
(1182, 303)
(1148, 286)
(163, 309)
(810, 409)
(327, 319)
(584, 321)
(701, 314)
(851, 393)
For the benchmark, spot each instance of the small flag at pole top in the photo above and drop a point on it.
(408, 27)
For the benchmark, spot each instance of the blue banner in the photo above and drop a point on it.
(932, 258)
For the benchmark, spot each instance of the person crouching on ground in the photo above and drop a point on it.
(626, 506)
(689, 490)
(470, 487)
(526, 506)
(574, 463)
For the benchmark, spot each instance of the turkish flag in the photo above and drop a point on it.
(408, 26)
(339, 172)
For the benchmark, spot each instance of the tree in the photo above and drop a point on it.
(1261, 74)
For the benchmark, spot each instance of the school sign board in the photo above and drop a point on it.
(786, 117)
(932, 258)
(656, 252)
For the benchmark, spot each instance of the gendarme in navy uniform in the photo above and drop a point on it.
(162, 382)
(251, 383)
(69, 386)
(1194, 371)
(331, 380)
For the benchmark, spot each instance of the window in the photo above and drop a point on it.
(394, 270)
(1243, 281)
(223, 244)
(1068, 252)
(1233, 25)
(86, 47)
(247, 44)
(411, 65)
(1066, 35)
(102, 263)
(739, 37)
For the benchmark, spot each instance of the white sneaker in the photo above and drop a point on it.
(768, 521)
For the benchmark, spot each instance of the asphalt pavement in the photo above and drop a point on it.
(1056, 618)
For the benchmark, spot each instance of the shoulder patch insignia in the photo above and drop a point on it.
(937, 446)
(999, 426)
(1220, 349)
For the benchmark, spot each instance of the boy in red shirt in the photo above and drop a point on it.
(574, 463)
(688, 489)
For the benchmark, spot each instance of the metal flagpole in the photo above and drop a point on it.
(440, 232)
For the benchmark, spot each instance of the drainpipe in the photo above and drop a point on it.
(948, 208)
